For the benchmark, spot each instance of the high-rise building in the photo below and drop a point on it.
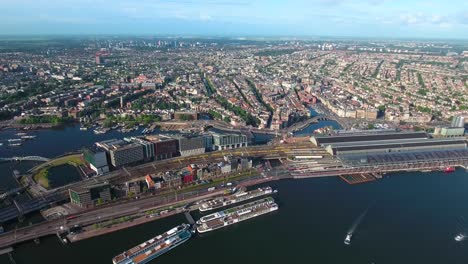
(88, 196)
(148, 147)
(122, 153)
(97, 159)
(228, 141)
(458, 121)
(191, 145)
(164, 147)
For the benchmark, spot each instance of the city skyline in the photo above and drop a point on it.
(347, 18)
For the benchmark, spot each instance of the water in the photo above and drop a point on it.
(62, 175)
(54, 142)
(414, 221)
(309, 130)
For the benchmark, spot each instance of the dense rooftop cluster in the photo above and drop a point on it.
(264, 84)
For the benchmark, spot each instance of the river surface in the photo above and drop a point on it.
(413, 219)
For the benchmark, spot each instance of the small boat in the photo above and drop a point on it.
(1, 144)
(21, 134)
(28, 137)
(460, 237)
(347, 240)
(83, 128)
(15, 140)
(15, 144)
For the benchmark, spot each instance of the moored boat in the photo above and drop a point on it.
(155, 247)
(236, 214)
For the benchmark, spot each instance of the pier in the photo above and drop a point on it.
(189, 217)
(358, 178)
(7, 250)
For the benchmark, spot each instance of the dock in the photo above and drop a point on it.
(6, 250)
(358, 178)
(189, 217)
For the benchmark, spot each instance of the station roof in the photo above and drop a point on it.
(327, 140)
(426, 143)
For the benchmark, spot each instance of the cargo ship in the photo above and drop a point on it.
(234, 198)
(155, 247)
(236, 214)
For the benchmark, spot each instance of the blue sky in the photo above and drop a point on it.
(360, 18)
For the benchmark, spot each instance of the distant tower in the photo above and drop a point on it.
(121, 102)
(458, 121)
(98, 59)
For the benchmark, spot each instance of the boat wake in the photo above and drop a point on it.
(461, 229)
(355, 225)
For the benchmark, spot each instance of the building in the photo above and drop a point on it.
(148, 147)
(149, 182)
(191, 145)
(97, 159)
(90, 195)
(208, 141)
(228, 141)
(133, 187)
(164, 147)
(323, 141)
(362, 149)
(394, 146)
(172, 180)
(452, 131)
(458, 121)
(122, 153)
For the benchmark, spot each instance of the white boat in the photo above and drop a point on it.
(83, 128)
(347, 240)
(460, 237)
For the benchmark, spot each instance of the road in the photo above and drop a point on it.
(120, 176)
(113, 211)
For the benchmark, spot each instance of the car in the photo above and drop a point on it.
(229, 184)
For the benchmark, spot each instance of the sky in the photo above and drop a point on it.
(341, 18)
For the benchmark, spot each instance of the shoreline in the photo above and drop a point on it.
(147, 218)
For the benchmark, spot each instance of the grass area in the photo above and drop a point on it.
(43, 178)
(41, 172)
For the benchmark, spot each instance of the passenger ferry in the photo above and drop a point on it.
(155, 247)
(234, 198)
(235, 215)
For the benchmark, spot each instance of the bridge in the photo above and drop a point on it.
(19, 208)
(11, 192)
(301, 125)
(26, 158)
